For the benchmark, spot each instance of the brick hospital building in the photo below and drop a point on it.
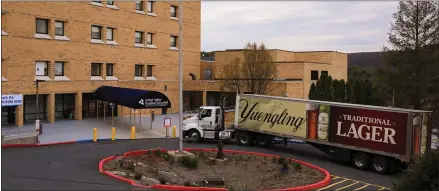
(73, 48)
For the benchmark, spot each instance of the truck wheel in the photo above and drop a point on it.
(244, 138)
(194, 135)
(380, 164)
(360, 160)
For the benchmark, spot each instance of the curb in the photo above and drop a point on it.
(326, 181)
(57, 143)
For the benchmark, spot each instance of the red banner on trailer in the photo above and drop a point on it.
(378, 130)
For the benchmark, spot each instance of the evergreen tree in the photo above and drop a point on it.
(312, 91)
(411, 64)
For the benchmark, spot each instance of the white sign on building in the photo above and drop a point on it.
(12, 100)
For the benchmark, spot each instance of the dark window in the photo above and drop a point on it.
(149, 71)
(138, 37)
(139, 71)
(110, 33)
(41, 68)
(96, 32)
(96, 1)
(96, 69)
(173, 41)
(110, 69)
(59, 68)
(59, 28)
(325, 72)
(42, 26)
(206, 113)
(139, 5)
(150, 6)
(314, 75)
(149, 38)
(173, 11)
(208, 74)
(110, 2)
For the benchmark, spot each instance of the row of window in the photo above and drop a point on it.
(140, 6)
(96, 32)
(315, 74)
(96, 69)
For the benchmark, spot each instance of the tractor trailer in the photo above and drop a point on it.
(368, 137)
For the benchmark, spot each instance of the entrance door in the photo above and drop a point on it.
(8, 115)
(11, 115)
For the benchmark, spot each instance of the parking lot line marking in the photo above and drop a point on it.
(362, 187)
(331, 185)
(382, 187)
(348, 185)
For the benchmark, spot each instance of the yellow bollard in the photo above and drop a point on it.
(95, 134)
(133, 132)
(174, 131)
(113, 134)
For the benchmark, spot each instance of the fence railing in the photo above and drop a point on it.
(18, 133)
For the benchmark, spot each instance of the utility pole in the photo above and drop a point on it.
(37, 121)
(180, 50)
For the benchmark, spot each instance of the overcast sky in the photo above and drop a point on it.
(346, 26)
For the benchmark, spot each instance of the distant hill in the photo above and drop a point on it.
(365, 59)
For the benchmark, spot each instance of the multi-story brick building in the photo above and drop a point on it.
(76, 47)
(296, 71)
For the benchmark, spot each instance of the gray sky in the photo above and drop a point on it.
(346, 26)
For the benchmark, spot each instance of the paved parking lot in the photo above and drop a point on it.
(342, 183)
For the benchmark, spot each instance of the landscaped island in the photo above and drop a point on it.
(235, 171)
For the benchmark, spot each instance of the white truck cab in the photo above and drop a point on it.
(205, 125)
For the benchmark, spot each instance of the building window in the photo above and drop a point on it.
(174, 41)
(110, 33)
(42, 26)
(110, 2)
(314, 75)
(96, 32)
(150, 6)
(173, 11)
(59, 28)
(149, 71)
(208, 74)
(325, 72)
(59, 68)
(139, 70)
(96, 69)
(41, 68)
(138, 37)
(96, 1)
(110, 69)
(149, 38)
(139, 5)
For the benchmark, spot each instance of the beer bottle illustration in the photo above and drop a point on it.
(323, 126)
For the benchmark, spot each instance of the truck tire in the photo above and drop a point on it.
(244, 138)
(360, 160)
(380, 164)
(194, 135)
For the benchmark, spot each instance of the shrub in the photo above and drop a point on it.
(189, 162)
(138, 176)
(158, 153)
(281, 160)
(166, 156)
(422, 174)
(297, 167)
(130, 166)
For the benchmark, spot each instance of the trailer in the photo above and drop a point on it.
(369, 137)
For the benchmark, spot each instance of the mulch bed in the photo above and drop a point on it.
(234, 171)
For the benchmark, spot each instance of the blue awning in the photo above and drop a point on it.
(132, 98)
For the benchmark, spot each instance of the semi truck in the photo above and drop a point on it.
(369, 137)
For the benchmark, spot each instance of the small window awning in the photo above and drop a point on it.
(132, 98)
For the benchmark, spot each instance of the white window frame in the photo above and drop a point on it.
(45, 65)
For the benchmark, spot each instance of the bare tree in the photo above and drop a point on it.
(253, 73)
(231, 75)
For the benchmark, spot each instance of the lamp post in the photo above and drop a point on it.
(180, 117)
(37, 121)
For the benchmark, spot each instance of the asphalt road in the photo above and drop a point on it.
(74, 166)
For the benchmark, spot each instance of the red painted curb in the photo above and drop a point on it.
(36, 145)
(314, 186)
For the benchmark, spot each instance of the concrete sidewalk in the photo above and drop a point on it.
(67, 130)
